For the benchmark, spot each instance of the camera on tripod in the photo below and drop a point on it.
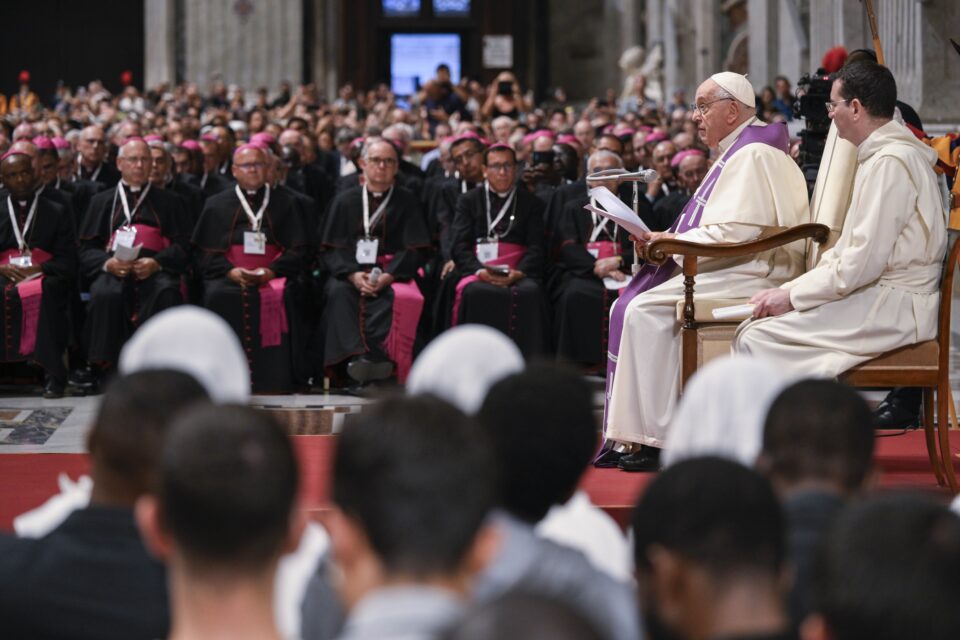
(813, 90)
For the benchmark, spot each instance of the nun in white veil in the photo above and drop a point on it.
(462, 364)
(723, 409)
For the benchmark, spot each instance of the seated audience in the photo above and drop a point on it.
(412, 485)
(543, 430)
(817, 451)
(91, 576)
(708, 537)
(520, 616)
(223, 513)
(889, 571)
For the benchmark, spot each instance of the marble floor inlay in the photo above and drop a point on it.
(28, 425)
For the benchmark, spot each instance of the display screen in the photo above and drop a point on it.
(414, 58)
(451, 7)
(397, 8)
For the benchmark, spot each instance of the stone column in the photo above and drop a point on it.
(327, 15)
(706, 17)
(159, 48)
(252, 43)
(764, 31)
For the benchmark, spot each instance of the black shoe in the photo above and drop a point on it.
(608, 459)
(368, 369)
(646, 459)
(891, 414)
(84, 378)
(53, 388)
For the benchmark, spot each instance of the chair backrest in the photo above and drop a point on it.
(946, 298)
(832, 192)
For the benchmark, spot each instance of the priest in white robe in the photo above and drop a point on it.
(753, 190)
(877, 289)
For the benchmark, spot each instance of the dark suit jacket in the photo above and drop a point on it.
(89, 578)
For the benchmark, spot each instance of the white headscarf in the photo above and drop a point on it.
(196, 341)
(462, 364)
(723, 409)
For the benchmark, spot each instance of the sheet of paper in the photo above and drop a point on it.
(127, 254)
(614, 285)
(614, 209)
(736, 312)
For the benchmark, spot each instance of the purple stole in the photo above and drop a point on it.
(651, 276)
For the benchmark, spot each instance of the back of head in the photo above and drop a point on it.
(889, 570)
(544, 433)
(715, 513)
(870, 83)
(227, 488)
(722, 410)
(518, 616)
(818, 431)
(415, 475)
(131, 425)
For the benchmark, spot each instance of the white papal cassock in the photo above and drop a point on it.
(760, 190)
(877, 289)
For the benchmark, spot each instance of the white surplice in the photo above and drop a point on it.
(878, 288)
(760, 190)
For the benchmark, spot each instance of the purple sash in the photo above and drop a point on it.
(651, 276)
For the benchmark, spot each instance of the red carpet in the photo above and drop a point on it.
(29, 479)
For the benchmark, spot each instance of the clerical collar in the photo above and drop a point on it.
(376, 194)
(732, 137)
(22, 203)
(130, 187)
(502, 196)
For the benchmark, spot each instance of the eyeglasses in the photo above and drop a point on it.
(465, 156)
(250, 166)
(382, 162)
(833, 104)
(703, 108)
(501, 167)
(137, 159)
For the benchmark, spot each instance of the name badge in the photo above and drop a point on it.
(254, 244)
(488, 251)
(594, 252)
(21, 261)
(367, 250)
(124, 237)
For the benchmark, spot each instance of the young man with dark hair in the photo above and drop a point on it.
(543, 430)
(889, 570)
(818, 452)
(412, 486)
(887, 260)
(91, 577)
(223, 513)
(708, 537)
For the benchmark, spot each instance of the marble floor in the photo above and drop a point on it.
(30, 424)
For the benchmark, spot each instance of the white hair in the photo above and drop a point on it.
(604, 153)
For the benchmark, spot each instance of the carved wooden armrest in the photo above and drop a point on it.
(659, 251)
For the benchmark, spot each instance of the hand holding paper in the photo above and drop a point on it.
(614, 209)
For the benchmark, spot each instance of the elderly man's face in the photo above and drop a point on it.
(692, 171)
(603, 162)
(211, 155)
(161, 167)
(92, 145)
(380, 165)
(715, 117)
(662, 155)
(134, 163)
(250, 169)
(66, 165)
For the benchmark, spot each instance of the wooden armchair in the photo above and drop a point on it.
(926, 364)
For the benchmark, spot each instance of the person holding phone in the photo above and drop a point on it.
(504, 98)
(498, 250)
